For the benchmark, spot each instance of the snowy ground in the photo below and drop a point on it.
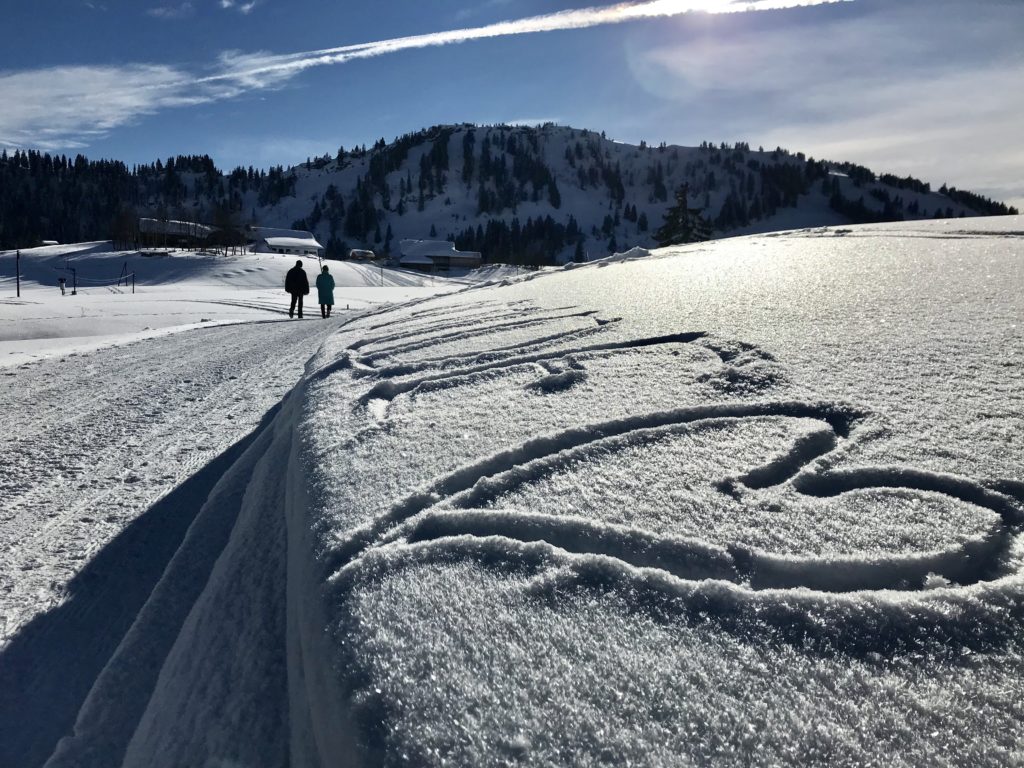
(757, 501)
(119, 413)
(173, 291)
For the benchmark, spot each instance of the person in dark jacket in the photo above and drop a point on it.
(325, 291)
(297, 285)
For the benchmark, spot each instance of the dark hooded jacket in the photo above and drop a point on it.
(296, 282)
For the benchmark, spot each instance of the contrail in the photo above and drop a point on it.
(259, 69)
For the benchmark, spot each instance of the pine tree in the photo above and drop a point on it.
(554, 196)
(579, 256)
(682, 223)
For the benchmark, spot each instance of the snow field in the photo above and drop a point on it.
(109, 456)
(690, 509)
(751, 502)
(124, 417)
(174, 292)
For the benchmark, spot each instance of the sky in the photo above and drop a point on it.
(929, 88)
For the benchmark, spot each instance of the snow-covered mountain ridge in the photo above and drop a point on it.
(522, 194)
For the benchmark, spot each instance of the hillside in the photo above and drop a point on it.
(519, 194)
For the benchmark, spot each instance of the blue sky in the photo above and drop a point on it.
(925, 87)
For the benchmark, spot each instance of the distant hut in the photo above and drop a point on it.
(293, 242)
(436, 255)
(161, 233)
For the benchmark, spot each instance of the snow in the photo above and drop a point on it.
(749, 501)
(122, 414)
(173, 291)
(755, 501)
(292, 242)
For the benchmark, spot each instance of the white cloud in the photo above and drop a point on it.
(243, 8)
(182, 11)
(873, 90)
(66, 106)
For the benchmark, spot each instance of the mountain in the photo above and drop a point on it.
(515, 193)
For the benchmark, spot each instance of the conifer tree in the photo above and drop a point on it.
(682, 223)
(579, 256)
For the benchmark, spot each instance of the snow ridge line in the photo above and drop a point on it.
(861, 624)
(461, 320)
(495, 354)
(836, 482)
(696, 560)
(841, 418)
(682, 557)
(389, 389)
(478, 330)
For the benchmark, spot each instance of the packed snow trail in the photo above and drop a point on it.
(108, 456)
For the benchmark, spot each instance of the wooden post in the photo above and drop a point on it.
(17, 269)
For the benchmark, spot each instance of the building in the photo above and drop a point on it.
(436, 255)
(291, 242)
(167, 232)
(293, 246)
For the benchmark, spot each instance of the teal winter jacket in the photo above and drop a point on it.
(325, 288)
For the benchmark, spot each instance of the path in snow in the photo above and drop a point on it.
(107, 458)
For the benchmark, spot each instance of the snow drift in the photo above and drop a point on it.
(754, 502)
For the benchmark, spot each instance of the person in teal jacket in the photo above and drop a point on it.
(325, 289)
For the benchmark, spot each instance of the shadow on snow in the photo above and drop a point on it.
(50, 666)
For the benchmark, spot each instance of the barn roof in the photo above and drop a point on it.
(292, 242)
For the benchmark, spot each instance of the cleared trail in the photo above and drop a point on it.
(108, 458)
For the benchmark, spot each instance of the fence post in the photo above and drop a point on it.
(17, 269)
(133, 282)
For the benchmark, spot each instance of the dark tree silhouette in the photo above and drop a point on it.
(682, 223)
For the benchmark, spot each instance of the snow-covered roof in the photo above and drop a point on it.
(292, 242)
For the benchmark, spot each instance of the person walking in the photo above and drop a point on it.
(325, 292)
(297, 284)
